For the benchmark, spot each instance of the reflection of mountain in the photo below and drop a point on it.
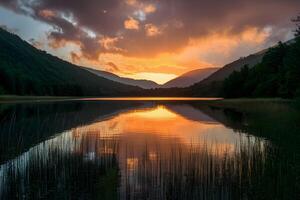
(150, 143)
(143, 140)
(23, 125)
(190, 113)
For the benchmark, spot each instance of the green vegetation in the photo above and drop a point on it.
(25, 70)
(278, 75)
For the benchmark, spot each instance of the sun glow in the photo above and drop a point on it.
(159, 78)
(213, 50)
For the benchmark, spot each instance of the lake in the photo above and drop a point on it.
(150, 149)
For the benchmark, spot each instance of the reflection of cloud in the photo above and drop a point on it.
(132, 163)
(152, 156)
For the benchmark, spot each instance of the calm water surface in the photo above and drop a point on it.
(147, 149)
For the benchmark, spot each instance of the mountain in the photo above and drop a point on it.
(237, 65)
(190, 78)
(211, 85)
(145, 84)
(277, 75)
(25, 70)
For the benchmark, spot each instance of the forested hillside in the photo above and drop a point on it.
(25, 70)
(278, 75)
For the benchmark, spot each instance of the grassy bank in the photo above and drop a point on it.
(245, 104)
(17, 99)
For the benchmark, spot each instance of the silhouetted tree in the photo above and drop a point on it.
(277, 75)
(297, 22)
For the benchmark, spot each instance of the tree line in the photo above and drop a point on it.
(277, 75)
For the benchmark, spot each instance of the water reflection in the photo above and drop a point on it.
(140, 150)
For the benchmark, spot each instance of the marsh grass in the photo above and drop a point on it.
(201, 172)
(61, 168)
(89, 164)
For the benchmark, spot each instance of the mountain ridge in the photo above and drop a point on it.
(189, 78)
(26, 70)
(145, 84)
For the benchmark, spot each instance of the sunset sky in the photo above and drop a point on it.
(150, 39)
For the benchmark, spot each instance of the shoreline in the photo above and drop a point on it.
(37, 99)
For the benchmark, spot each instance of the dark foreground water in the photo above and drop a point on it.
(149, 150)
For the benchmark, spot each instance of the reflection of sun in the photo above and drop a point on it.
(158, 113)
(158, 124)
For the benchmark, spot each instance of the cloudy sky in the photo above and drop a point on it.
(150, 39)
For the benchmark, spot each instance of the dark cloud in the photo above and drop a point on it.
(87, 22)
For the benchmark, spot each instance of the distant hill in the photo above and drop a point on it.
(145, 84)
(237, 65)
(277, 75)
(25, 70)
(211, 85)
(190, 78)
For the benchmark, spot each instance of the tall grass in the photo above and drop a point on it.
(200, 172)
(90, 164)
(65, 167)
(82, 164)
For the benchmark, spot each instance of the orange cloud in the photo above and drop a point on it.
(47, 14)
(152, 30)
(149, 8)
(109, 43)
(131, 2)
(213, 50)
(131, 24)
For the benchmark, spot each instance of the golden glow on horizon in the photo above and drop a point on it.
(159, 78)
(150, 99)
(213, 50)
(153, 40)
